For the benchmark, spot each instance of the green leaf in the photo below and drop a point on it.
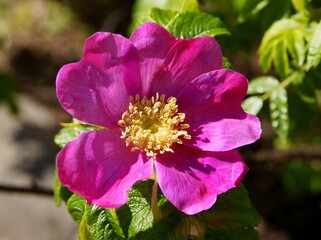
(161, 230)
(252, 105)
(7, 92)
(83, 233)
(262, 85)
(162, 17)
(283, 37)
(190, 6)
(103, 224)
(314, 48)
(95, 223)
(279, 115)
(241, 233)
(300, 6)
(76, 207)
(61, 193)
(72, 130)
(194, 24)
(306, 86)
(232, 210)
(141, 10)
(139, 205)
(227, 63)
(189, 24)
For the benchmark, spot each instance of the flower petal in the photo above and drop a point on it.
(99, 167)
(217, 133)
(219, 90)
(96, 89)
(192, 179)
(185, 61)
(153, 43)
(217, 121)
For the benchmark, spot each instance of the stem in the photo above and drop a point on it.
(155, 209)
(283, 84)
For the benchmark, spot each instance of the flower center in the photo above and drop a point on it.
(153, 124)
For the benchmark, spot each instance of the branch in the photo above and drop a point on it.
(26, 190)
(278, 156)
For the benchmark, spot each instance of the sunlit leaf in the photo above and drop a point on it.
(71, 131)
(103, 224)
(189, 24)
(227, 63)
(76, 207)
(140, 206)
(162, 17)
(283, 39)
(262, 85)
(314, 48)
(279, 115)
(190, 6)
(95, 223)
(300, 6)
(194, 24)
(252, 105)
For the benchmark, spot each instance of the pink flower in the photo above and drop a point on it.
(168, 108)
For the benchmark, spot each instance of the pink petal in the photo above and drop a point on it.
(185, 61)
(192, 179)
(98, 166)
(219, 90)
(223, 133)
(153, 43)
(217, 121)
(96, 89)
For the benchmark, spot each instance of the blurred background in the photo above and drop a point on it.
(37, 37)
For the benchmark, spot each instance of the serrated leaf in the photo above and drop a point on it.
(232, 209)
(252, 105)
(296, 48)
(76, 207)
(241, 233)
(95, 223)
(139, 203)
(283, 37)
(162, 17)
(314, 48)
(103, 224)
(195, 24)
(281, 61)
(161, 230)
(262, 85)
(278, 104)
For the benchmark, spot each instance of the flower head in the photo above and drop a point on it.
(167, 106)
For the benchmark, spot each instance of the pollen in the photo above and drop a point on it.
(153, 125)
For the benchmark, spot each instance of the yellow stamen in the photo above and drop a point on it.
(153, 124)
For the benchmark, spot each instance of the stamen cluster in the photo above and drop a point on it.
(153, 124)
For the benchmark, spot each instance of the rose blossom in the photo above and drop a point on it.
(166, 107)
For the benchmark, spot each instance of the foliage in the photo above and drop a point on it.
(288, 85)
(7, 93)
